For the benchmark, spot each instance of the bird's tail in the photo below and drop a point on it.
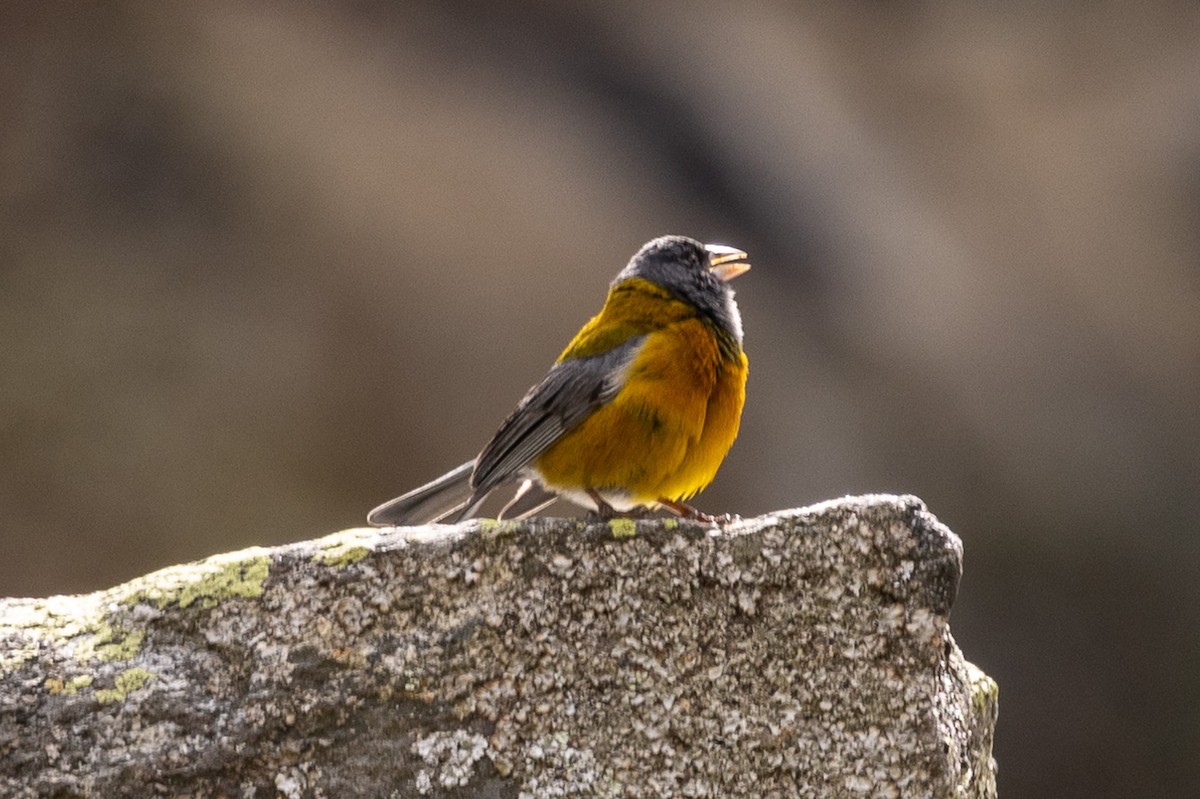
(431, 502)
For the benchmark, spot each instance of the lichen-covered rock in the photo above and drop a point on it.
(805, 653)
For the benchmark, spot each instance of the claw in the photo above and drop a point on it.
(685, 511)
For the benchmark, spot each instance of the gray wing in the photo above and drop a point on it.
(570, 391)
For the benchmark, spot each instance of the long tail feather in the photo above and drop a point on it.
(430, 503)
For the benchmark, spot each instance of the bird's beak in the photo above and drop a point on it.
(725, 263)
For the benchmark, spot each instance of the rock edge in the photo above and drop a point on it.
(801, 653)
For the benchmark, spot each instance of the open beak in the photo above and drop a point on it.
(726, 263)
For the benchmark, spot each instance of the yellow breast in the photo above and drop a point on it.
(666, 431)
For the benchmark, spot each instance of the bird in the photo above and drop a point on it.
(635, 415)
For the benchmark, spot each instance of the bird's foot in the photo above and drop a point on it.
(605, 512)
(685, 511)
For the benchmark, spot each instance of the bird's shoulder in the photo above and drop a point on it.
(635, 307)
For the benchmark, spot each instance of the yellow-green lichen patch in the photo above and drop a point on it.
(67, 687)
(109, 643)
(343, 556)
(349, 546)
(236, 574)
(126, 683)
(623, 528)
(670, 524)
(492, 529)
(244, 579)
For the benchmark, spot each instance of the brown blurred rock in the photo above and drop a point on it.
(804, 653)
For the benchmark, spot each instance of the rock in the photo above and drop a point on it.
(803, 653)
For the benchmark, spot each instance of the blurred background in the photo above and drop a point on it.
(263, 266)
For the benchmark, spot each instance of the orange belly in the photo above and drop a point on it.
(665, 433)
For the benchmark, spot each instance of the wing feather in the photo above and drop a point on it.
(569, 393)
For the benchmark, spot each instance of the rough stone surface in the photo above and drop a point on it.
(804, 653)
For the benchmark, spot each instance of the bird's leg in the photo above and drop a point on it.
(685, 511)
(604, 511)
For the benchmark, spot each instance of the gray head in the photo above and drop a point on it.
(696, 273)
